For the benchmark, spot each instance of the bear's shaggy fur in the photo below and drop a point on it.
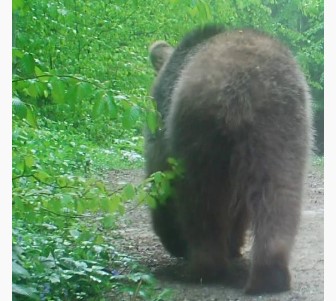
(236, 112)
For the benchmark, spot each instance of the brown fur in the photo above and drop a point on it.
(236, 112)
(159, 52)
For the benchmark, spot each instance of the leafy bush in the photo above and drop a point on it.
(61, 214)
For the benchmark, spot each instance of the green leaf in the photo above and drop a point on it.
(19, 166)
(57, 90)
(66, 201)
(193, 11)
(152, 121)
(108, 221)
(141, 195)
(28, 65)
(204, 11)
(158, 177)
(35, 88)
(62, 181)
(101, 186)
(38, 71)
(99, 239)
(111, 108)
(29, 161)
(74, 233)
(113, 203)
(17, 4)
(17, 53)
(130, 116)
(105, 204)
(135, 113)
(42, 176)
(19, 271)
(24, 290)
(72, 95)
(105, 106)
(42, 77)
(19, 107)
(84, 91)
(128, 192)
(31, 118)
(150, 201)
(54, 278)
(98, 108)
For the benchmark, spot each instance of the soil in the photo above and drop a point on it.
(137, 239)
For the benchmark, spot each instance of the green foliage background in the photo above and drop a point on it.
(81, 81)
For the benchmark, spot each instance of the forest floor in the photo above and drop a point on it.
(136, 238)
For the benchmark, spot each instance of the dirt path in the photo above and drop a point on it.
(306, 265)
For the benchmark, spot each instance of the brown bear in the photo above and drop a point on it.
(236, 112)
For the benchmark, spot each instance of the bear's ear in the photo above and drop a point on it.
(159, 53)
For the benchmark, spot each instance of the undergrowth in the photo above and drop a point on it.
(62, 212)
